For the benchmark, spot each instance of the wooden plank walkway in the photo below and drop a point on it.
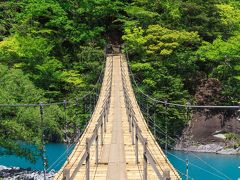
(116, 158)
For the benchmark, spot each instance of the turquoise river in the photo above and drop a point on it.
(201, 166)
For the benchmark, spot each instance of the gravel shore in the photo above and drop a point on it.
(210, 148)
(17, 173)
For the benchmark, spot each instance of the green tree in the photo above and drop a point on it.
(224, 57)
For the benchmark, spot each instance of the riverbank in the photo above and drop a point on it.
(217, 148)
(211, 132)
(23, 174)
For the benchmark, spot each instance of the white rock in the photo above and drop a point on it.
(221, 136)
(3, 167)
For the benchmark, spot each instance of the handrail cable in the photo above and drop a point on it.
(101, 123)
(180, 105)
(163, 133)
(147, 152)
(196, 166)
(61, 157)
(56, 162)
(193, 163)
(196, 157)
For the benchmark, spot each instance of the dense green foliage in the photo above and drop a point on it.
(48, 53)
(177, 49)
(20, 124)
(51, 50)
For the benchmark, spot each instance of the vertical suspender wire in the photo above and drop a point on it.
(43, 151)
(84, 104)
(147, 113)
(154, 119)
(94, 97)
(188, 119)
(66, 125)
(166, 125)
(76, 126)
(90, 104)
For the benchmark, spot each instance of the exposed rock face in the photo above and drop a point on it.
(209, 92)
(207, 122)
(204, 125)
(201, 131)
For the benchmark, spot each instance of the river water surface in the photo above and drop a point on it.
(202, 166)
(206, 166)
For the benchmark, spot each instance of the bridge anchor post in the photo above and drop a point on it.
(102, 133)
(104, 120)
(136, 144)
(130, 120)
(66, 174)
(96, 141)
(166, 175)
(87, 159)
(145, 160)
(107, 109)
(132, 132)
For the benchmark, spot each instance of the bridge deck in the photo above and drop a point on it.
(117, 154)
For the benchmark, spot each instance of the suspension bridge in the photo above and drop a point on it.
(117, 143)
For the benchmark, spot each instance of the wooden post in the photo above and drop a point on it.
(112, 63)
(104, 120)
(145, 160)
(136, 143)
(130, 121)
(108, 104)
(166, 175)
(87, 160)
(106, 111)
(96, 141)
(102, 132)
(132, 132)
(128, 113)
(66, 174)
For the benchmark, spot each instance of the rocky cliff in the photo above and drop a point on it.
(218, 127)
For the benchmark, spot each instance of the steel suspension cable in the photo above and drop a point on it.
(61, 157)
(161, 131)
(193, 164)
(187, 106)
(197, 166)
